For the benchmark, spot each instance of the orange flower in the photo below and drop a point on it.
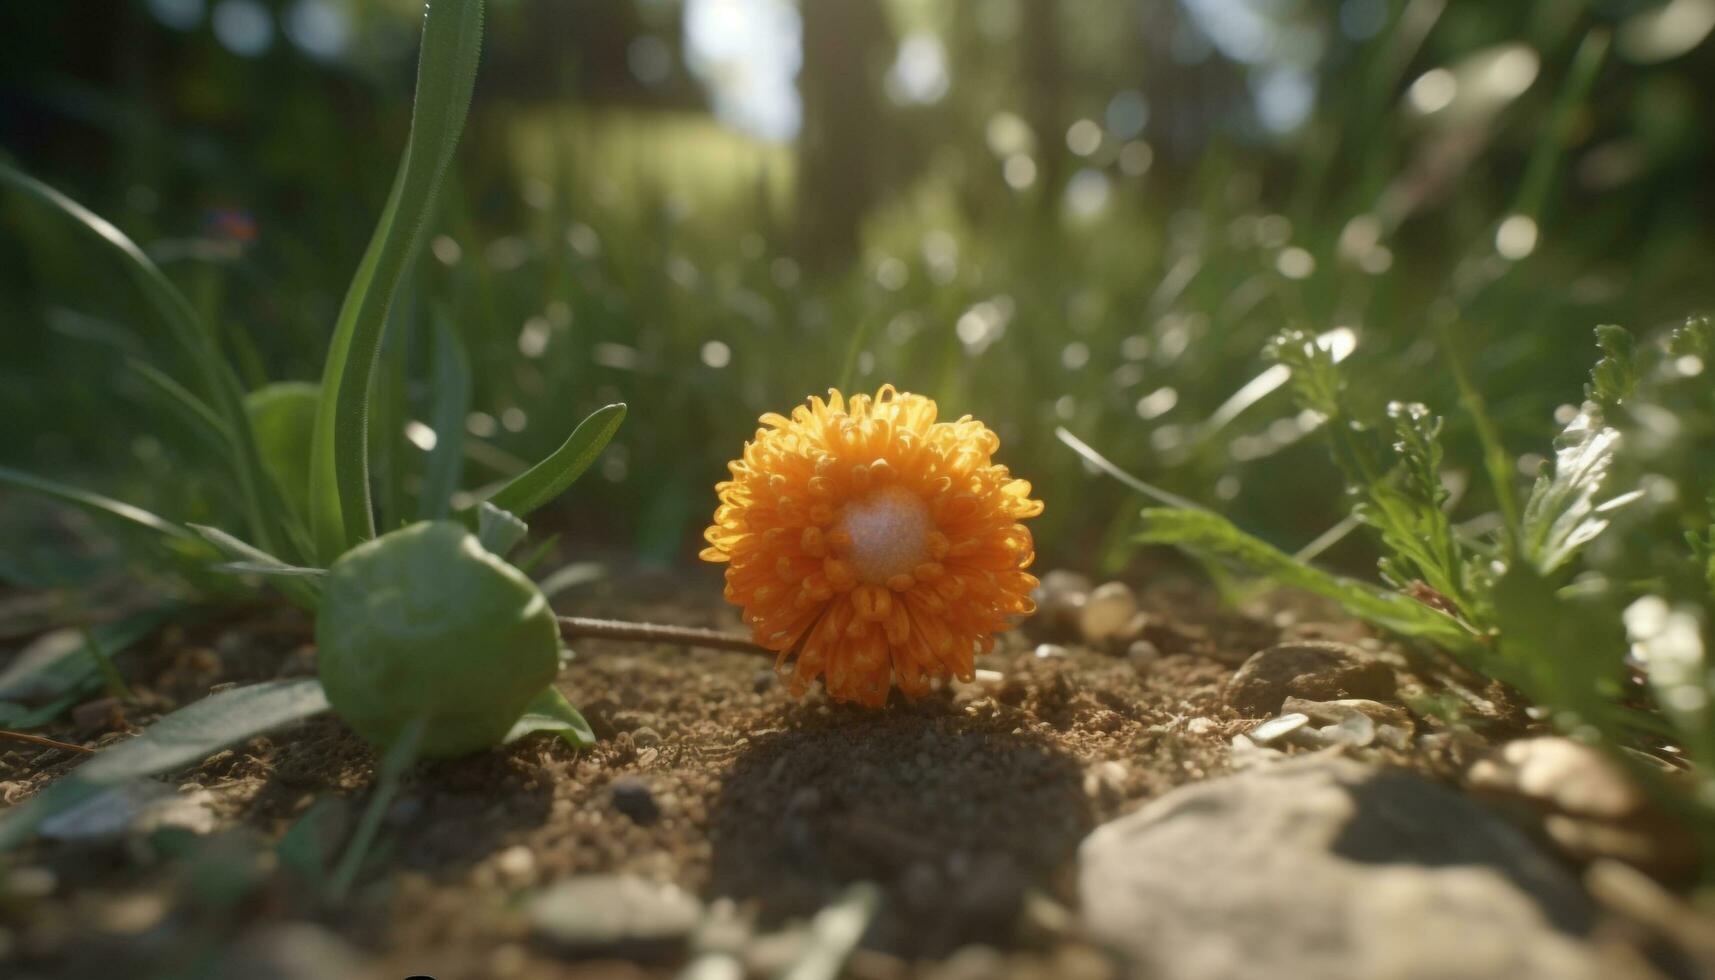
(878, 544)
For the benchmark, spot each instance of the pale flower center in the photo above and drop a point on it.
(889, 529)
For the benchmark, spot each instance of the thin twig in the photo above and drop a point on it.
(574, 627)
(52, 743)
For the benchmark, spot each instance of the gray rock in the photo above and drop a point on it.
(291, 951)
(614, 912)
(1323, 867)
(1316, 670)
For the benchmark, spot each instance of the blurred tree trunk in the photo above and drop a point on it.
(843, 140)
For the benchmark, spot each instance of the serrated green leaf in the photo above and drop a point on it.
(1316, 380)
(1614, 378)
(551, 712)
(552, 476)
(446, 75)
(1212, 536)
(1694, 338)
(186, 736)
(1562, 515)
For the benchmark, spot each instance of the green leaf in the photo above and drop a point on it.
(218, 379)
(184, 737)
(95, 503)
(1213, 537)
(551, 712)
(452, 382)
(552, 476)
(1316, 379)
(20, 717)
(571, 576)
(424, 622)
(1562, 515)
(1407, 507)
(1561, 652)
(400, 756)
(194, 410)
(300, 584)
(499, 531)
(1695, 338)
(1497, 462)
(60, 663)
(1614, 378)
(446, 74)
(308, 847)
(283, 415)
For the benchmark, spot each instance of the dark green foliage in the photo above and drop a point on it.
(1615, 375)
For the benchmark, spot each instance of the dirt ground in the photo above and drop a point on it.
(965, 807)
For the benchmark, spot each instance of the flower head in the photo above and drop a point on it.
(879, 545)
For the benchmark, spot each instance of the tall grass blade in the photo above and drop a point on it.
(95, 503)
(175, 311)
(550, 478)
(445, 465)
(446, 75)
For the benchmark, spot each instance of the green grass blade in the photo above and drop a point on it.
(95, 503)
(59, 663)
(204, 419)
(445, 465)
(183, 737)
(550, 478)
(1211, 536)
(1563, 122)
(446, 75)
(398, 759)
(181, 319)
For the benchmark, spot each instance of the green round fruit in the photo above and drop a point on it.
(424, 622)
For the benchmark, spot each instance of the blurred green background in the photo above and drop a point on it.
(1090, 215)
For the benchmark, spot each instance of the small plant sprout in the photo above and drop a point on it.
(424, 622)
(874, 543)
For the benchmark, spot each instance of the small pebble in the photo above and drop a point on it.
(633, 797)
(516, 865)
(1142, 653)
(1048, 651)
(596, 912)
(1276, 728)
(1107, 611)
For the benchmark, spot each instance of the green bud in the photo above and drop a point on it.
(424, 622)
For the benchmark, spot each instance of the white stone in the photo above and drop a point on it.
(1107, 611)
